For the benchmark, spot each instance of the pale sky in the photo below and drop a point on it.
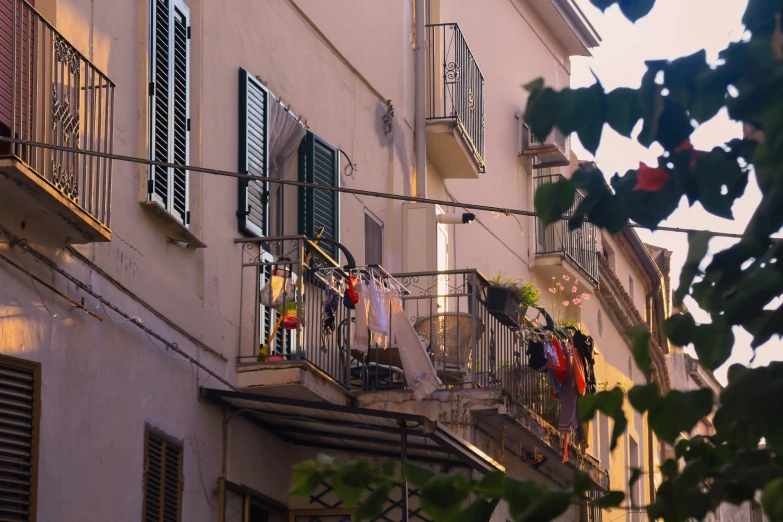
(673, 28)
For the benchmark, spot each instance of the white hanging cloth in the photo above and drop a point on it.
(378, 319)
(361, 336)
(416, 363)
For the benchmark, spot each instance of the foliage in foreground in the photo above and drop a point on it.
(739, 287)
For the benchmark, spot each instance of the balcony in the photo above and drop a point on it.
(51, 94)
(455, 104)
(560, 250)
(476, 357)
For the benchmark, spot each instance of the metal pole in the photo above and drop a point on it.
(403, 459)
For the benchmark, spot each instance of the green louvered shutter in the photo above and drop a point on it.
(319, 163)
(169, 105)
(252, 209)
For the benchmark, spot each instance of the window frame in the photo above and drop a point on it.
(248, 493)
(380, 224)
(152, 196)
(35, 368)
(293, 514)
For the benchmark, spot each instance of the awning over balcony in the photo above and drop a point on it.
(355, 430)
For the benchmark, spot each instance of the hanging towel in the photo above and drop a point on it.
(378, 319)
(416, 363)
(361, 335)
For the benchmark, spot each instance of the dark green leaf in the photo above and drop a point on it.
(644, 397)
(698, 242)
(754, 293)
(479, 511)
(635, 9)
(669, 468)
(549, 506)
(520, 494)
(305, 479)
(350, 482)
(623, 110)
(674, 125)
(609, 402)
(678, 412)
(610, 500)
(713, 344)
(640, 337)
(581, 482)
(554, 199)
(372, 506)
(443, 495)
(636, 474)
(680, 329)
(542, 111)
(492, 483)
(716, 172)
(772, 500)
(589, 107)
(620, 424)
(418, 476)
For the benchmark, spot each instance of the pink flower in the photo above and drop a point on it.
(585, 296)
(552, 290)
(566, 278)
(574, 289)
(566, 303)
(577, 301)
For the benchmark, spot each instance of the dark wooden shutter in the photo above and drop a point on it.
(169, 109)
(162, 478)
(252, 211)
(19, 414)
(319, 163)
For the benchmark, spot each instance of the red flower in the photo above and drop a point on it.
(649, 179)
(687, 145)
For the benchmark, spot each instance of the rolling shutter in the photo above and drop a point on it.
(169, 105)
(162, 479)
(252, 211)
(19, 414)
(319, 163)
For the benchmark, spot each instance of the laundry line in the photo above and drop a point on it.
(344, 190)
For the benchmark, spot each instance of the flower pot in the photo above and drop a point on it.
(504, 305)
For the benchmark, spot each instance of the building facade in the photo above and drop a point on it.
(143, 376)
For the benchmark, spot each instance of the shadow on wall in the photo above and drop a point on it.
(396, 138)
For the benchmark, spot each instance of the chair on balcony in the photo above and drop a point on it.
(449, 338)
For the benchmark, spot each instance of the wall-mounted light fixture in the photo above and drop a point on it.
(457, 218)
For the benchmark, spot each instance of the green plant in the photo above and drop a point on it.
(739, 286)
(527, 293)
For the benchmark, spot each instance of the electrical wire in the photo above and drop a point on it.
(344, 190)
(132, 320)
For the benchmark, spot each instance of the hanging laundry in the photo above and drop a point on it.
(586, 348)
(278, 289)
(416, 363)
(568, 397)
(351, 297)
(331, 303)
(361, 332)
(536, 356)
(378, 319)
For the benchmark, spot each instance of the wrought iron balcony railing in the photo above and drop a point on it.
(51, 93)
(580, 246)
(455, 86)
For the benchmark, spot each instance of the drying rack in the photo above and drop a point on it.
(337, 277)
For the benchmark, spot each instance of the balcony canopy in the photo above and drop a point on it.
(355, 430)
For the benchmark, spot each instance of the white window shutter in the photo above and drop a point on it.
(170, 105)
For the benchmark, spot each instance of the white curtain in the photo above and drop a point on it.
(285, 134)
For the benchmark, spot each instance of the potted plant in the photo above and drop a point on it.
(508, 299)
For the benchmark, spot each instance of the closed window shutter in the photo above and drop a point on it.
(319, 163)
(253, 151)
(19, 414)
(169, 105)
(162, 479)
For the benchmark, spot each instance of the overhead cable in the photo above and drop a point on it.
(344, 190)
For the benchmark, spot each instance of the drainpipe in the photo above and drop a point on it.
(650, 450)
(420, 99)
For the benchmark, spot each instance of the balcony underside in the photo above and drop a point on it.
(291, 380)
(34, 209)
(556, 265)
(450, 152)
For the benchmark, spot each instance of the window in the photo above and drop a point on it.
(253, 212)
(169, 106)
(608, 253)
(163, 479)
(319, 164)
(241, 504)
(630, 286)
(20, 411)
(373, 240)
